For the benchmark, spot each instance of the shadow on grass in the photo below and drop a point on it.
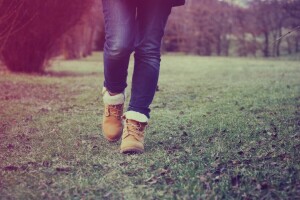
(61, 74)
(55, 74)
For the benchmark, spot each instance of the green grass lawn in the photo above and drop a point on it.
(220, 128)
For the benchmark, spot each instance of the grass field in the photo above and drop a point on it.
(220, 128)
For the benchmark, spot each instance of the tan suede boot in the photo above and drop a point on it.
(133, 136)
(112, 116)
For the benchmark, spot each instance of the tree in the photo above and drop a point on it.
(8, 12)
(292, 9)
(272, 18)
(201, 27)
(80, 40)
(30, 47)
(214, 27)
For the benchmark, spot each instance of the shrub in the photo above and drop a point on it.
(39, 26)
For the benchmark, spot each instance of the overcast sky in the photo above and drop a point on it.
(239, 2)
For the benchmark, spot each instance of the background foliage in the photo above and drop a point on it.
(33, 31)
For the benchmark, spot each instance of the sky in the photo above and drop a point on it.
(238, 2)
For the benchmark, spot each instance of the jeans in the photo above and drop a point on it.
(134, 26)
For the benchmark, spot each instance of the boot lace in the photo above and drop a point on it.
(114, 110)
(135, 130)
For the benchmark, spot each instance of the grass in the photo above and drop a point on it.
(220, 128)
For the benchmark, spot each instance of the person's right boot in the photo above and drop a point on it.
(133, 132)
(112, 117)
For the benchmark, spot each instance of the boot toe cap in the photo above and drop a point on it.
(112, 134)
(132, 147)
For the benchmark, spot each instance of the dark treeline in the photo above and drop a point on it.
(213, 27)
(33, 31)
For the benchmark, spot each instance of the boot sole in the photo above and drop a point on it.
(110, 140)
(130, 150)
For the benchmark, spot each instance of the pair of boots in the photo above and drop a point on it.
(130, 125)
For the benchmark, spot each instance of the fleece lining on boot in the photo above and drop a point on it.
(113, 100)
(133, 115)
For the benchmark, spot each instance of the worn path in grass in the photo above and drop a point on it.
(220, 127)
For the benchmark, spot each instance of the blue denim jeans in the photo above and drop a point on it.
(134, 26)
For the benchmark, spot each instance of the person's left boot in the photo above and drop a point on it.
(133, 132)
(112, 117)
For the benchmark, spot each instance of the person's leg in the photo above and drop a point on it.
(120, 20)
(152, 16)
